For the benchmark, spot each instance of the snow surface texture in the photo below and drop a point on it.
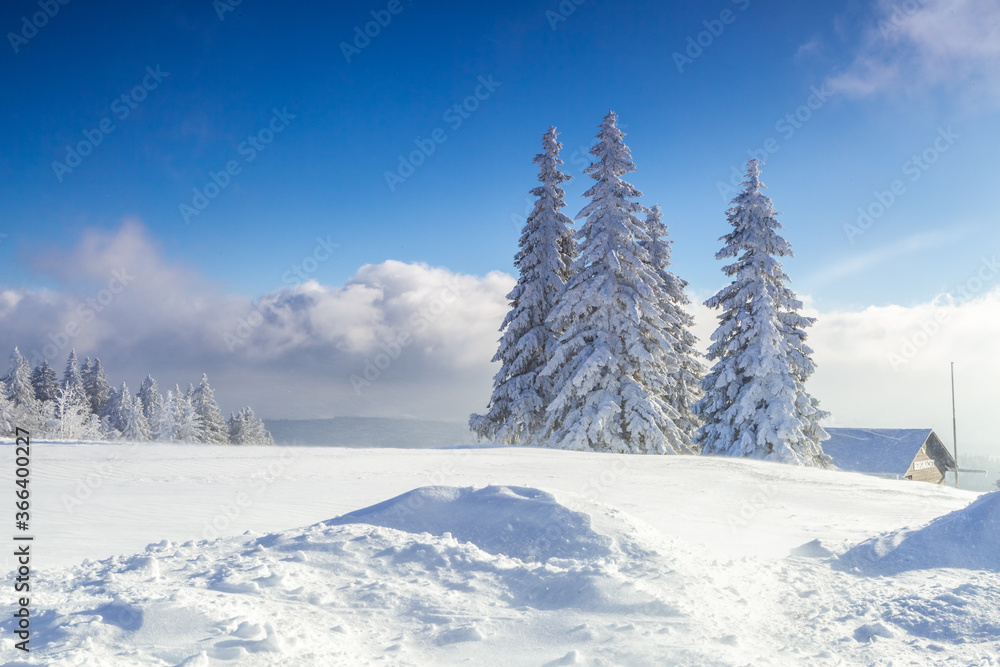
(741, 570)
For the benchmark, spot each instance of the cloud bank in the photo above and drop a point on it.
(412, 340)
(397, 339)
(914, 44)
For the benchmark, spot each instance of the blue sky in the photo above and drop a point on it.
(324, 174)
(893, 79)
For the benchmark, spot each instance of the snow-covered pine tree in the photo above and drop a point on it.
(613, 363)
(27, 410)
(516, 411)
(71, 376)
(755, 403)
(187, 424)
(18, 381)
(213, 424)
(246, 429)
(167, 425)
(44, 381)
(7, 425)
(96, 385)
(135, 428)
(152, 404)
(114, 417)
(686, 381)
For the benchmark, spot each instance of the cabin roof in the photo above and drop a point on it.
(881, 451)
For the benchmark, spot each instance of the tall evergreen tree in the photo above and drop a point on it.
(96, 385)
(27, 410)
(152, 403)
(7, 418)
(135, 428)
(213, 424)
(187, 423)
(686, 380)
(116, 410)
(167, 425)
(72, 380)
(20, 390)
(613, 363)
(755, 403)
(44, 382)
(547, 249)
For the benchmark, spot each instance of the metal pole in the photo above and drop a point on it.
(954, 428)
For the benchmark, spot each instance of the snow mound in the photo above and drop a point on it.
(518, 522)
(968, 538)
(423, 578)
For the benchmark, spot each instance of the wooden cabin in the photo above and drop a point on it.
(899, 453)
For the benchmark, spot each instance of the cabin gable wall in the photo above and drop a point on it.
(924, 468)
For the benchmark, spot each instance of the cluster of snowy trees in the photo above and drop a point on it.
(84, 406)
(597, 352)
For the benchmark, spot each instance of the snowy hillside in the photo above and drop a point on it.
(498, 556)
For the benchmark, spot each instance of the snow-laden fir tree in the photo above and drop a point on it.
(213, 424)
(20, 390)
(72, 381)
(152, 404)
(114, 417)
(135, 427)
(187, 423)
(246, 429)
(755, 403)
(614, 361)
(686, 386)
(27, 409)
(45, 382)
(7, 425)
(167, 425)
(95, 385)
(516, 411)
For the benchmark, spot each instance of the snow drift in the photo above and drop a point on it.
(518, 522)
(968, 538)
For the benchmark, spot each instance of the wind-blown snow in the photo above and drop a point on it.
(350, 559)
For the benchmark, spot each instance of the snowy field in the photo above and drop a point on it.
(203, 555)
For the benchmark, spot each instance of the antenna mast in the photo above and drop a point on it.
(954, 428)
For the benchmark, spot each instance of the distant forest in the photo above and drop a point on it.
(84, 406)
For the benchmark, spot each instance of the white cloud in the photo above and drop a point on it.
(291, 353)
(915, 44)
(298, 358)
